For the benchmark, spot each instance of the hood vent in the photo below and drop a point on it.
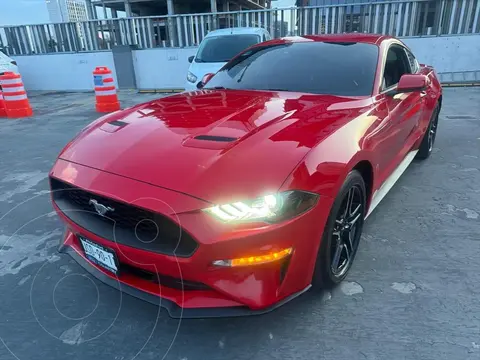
(118, 123)
(215, 138)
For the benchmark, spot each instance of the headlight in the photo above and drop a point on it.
(191, 78)
(269, 208)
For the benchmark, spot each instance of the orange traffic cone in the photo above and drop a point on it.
(14, 95)
(105, 90)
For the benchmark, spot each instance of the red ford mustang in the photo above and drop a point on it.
(236, 198)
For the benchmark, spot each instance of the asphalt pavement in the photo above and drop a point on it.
(413, 291)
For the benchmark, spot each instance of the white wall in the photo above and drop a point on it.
(447, 53)
(167, 68)
(162, 68)
(62, 72)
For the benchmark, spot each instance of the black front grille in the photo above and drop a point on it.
(123, 223)
(163, 280)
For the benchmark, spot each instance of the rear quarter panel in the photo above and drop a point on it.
(434, 92)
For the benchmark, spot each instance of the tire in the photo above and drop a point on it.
(324, 275)
(428, 141)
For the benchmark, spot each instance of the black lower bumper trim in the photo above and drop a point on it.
(173, 309)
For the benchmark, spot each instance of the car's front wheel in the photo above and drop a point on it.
(342, 233)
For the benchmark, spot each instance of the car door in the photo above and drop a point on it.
(400, 112)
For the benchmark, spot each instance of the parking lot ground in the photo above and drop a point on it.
(413, 292)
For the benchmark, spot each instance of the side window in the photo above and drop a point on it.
(264, 37)
(396, 64)
(413, 62)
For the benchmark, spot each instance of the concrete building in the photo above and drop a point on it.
(67, 10)
(166, 7)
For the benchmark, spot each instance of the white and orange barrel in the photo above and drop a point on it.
(14, 96)
(3, 110)
(105, 90)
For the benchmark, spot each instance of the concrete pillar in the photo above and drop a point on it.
(94, 12)
(213, 9)
(104, 11)
(116, 27)
(226, 8)
(128, 8)
(170, 7)
(213, 6)
(90, 10)
(172, 34)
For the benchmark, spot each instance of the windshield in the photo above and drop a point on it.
(224, 48)
(343, 69)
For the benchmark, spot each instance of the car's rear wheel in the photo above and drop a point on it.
(428, 141)
(342, 233)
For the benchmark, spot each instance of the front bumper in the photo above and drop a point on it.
(173, 309)
(228, 291)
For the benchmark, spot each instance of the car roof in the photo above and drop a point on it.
(351, 37)
(234, 31)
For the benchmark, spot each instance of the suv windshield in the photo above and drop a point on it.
(225, 47)
(344, 69)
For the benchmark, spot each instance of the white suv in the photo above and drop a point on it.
(7, 64)
(217, 48)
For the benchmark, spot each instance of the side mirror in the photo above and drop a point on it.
(205, 80)
(190, 59)
(411, 83)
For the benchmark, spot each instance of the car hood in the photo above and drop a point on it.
(216, 145)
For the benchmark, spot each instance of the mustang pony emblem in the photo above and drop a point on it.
(100, 208)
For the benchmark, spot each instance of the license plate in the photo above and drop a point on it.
(100, 255)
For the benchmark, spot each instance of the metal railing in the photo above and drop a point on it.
(395, 17)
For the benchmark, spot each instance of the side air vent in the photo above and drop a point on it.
(215, 138)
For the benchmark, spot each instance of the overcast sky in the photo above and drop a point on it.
(19, 12)
(283, 3)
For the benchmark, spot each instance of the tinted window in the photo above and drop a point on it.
(346, 69)
(224, 48)
(396, 65)
(413, 62)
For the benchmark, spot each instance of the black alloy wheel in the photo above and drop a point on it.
(428, 141)
(345, 232)
(432, 130)
(342, 233)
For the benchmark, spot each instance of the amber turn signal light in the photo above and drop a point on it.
(255, 260)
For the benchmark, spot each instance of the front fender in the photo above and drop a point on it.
(326, 166)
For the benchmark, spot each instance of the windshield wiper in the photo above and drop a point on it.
(243, 72)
